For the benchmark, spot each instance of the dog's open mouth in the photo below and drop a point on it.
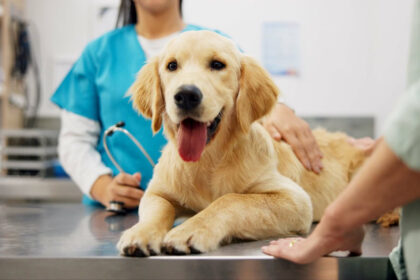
(193, 137)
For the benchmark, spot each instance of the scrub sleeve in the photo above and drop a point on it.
(403, 136)
(77, 94)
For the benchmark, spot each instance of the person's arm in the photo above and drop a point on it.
(390, 178)
(384, 182)
(283, 124)
(79, 157)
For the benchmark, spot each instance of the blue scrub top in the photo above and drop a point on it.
(96, 88)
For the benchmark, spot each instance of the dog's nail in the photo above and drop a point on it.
(125, 251)
(152, 252)
(134, 251)
(173, 251)
(194, 250)
(129, 250)
(163, 250)
(178, 252)
(139, 253)
(167, 250)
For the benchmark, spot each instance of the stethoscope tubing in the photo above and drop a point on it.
(116, 206)
(118, 127)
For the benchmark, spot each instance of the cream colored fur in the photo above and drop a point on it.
(245, 184)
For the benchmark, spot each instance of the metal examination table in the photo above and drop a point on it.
(73, 241)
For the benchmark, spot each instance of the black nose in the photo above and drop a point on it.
(188, 97)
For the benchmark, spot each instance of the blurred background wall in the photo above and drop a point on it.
(353, 53)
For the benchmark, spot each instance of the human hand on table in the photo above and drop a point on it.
(323, 241)
(306, 250)
(123, 187)
(283, 124)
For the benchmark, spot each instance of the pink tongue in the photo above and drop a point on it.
(192, 137)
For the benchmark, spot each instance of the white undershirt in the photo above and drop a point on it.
(79, 135)
(153, 47)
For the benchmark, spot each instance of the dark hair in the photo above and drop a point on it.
(127, 13)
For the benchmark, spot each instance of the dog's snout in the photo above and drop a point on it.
(188, 97)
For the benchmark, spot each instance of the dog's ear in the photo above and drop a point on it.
(147, 94)
(257, 93)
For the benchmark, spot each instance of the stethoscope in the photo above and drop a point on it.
(118, 206)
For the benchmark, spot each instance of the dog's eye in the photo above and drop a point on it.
(217, 65)
(172, 66)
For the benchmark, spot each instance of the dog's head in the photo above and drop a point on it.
(198, 85)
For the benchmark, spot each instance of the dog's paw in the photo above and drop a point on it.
(140, 241)
(190, 238)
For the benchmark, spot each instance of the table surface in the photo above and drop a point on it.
(75, 241)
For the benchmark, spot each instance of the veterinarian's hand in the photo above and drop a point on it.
(321, 242)
(366, 144)
(123, 187)
(283, 124)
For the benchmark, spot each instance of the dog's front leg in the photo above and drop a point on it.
(286, 211)
(156, 217)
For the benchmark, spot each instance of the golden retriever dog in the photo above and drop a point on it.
(220, 162)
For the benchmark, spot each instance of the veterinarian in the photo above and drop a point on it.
(93, 96)
(390, 178)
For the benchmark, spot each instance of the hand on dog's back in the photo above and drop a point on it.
(283, 124)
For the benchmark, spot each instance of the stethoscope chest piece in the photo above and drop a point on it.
(116, 207)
